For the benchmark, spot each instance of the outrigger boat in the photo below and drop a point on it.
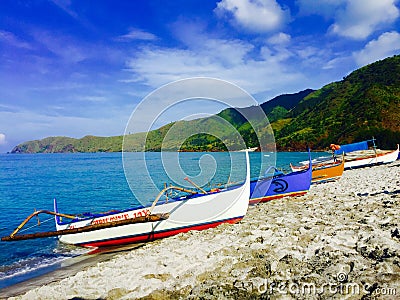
(358, 155)
(323, 172)
(192, 212)
(365, 158)
(280, 185)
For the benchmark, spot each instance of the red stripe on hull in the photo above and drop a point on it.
(156, 235)
(269, 198)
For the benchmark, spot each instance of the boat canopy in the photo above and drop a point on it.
(352, 147)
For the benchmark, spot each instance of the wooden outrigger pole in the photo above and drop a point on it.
(148, 218)
(14, 237)
(195, 185)
(165, 190)
(36, 213)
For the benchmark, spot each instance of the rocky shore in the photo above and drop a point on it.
(340, 240)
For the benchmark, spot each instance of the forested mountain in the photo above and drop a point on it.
(365, 103)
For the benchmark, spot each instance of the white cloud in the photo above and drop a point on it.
(307, 52)
(386, 45)
(337, 62)
(256, 15)
(255, 70)
(3, 139)
(360, 18)
(354, 19)
(137, 34)
(279, 39)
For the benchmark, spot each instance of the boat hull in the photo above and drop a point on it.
(292, 184)
(152, 235)
(193, 213)
(327, 173)
(361, 162)
(324, 172)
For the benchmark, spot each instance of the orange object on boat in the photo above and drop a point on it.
(334, 147)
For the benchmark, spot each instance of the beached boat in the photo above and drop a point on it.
(359, 159)
(323, 172)
(280, 185)
(172, 216)
(357, 155)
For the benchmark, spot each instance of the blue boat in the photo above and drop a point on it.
(280, 185)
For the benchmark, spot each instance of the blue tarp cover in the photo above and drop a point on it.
(352, 147)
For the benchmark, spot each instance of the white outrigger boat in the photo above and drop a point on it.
(192, 212)
(362, 158)
(357, 155)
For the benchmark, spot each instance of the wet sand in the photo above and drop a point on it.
(340, 240)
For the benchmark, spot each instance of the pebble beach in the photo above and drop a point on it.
(340, 241)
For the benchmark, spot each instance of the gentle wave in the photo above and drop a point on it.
(27, 265)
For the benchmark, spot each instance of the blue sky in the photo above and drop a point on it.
(74, 68)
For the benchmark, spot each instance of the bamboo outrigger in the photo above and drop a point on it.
(147, 218)
(15, 237)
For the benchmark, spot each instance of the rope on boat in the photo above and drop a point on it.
(40, 222)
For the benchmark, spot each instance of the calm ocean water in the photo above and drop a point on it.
(96, 182)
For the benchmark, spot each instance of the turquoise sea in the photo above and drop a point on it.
(96, 182)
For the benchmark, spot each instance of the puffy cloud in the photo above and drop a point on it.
(256, 15)
(252, 68)
(279, 39)
(360, 18)
(355, 19)
(386, 45)
(3, 139)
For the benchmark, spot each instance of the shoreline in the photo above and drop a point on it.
(342, 233)
(63, 270)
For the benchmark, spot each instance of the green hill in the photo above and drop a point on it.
(61, 144)
(365, 103)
